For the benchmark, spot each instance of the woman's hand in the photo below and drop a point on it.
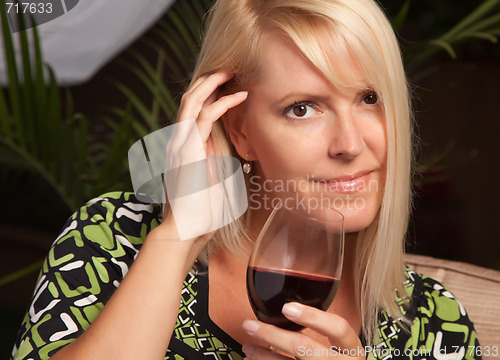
(197, 205)
(201, 102)
(344, 343)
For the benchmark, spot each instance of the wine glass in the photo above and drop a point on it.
(297, 257)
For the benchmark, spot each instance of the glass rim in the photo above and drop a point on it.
(280, 206)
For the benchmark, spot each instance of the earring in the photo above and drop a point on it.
(247, 166)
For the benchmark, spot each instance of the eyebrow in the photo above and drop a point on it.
(299, 95)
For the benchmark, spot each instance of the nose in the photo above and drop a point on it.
(347, 140)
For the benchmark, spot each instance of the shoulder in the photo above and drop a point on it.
(112, 214)
(440, 323)
(124, 206)
(438, 326)
(84, 266)
(431, 299)
(109, 228)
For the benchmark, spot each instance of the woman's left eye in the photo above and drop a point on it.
(300, 110)
(370, 98)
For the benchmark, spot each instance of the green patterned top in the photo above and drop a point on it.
(100, 242)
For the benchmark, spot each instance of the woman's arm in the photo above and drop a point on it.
(138, 320)
(92, 300)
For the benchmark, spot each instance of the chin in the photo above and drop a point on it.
(356, 220)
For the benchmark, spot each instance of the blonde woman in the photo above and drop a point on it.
(302, 91)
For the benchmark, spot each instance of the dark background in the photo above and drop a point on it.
(457, 120)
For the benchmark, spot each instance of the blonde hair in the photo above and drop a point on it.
(357, 28)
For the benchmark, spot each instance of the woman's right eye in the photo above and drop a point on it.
(301, 110)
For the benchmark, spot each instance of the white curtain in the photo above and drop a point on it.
(89, 33)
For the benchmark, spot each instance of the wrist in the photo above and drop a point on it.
(163, 241)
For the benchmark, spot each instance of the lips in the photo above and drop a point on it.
(349, 183)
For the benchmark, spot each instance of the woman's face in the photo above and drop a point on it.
(313, 146)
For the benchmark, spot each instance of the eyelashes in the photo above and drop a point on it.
(370, 98)
(301, 110)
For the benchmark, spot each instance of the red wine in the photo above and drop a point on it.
(269, 289)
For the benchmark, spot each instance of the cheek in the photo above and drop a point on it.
(380, 148)
(360, 211)
(271, 154)
(375, 137)
(377, 143)
(280, 149)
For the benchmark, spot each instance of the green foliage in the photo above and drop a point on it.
(399, 19)
(482, 23)
(20, 273)
(40, 132)
(176, 42)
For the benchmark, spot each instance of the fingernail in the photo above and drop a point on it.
(250, 326)
(248, 349)
(291, 310)
(241, 93)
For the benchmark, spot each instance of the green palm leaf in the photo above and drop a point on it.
(177, 40)
(482, 23)
(39, 135)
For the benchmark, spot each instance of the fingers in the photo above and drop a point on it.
(336, 328)
(289, 342)
(211, 113)
(201, 93)
(196, 83)
(343, 339)
(200, 102)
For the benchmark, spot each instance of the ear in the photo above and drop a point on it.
(235, 124)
